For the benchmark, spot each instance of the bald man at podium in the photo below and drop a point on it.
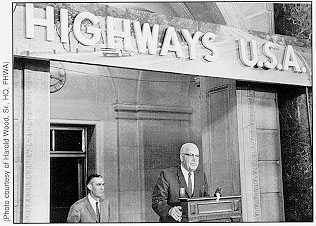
(184, 179)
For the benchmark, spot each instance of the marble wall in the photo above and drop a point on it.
(296, 153)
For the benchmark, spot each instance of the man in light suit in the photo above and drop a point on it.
(93, 208)
(165, 197)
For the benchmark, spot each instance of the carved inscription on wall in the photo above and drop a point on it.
(253, 155)
(28, 146)
(36, 144)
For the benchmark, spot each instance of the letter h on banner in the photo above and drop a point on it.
(31, 22)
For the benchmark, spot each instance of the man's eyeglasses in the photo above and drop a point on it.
(191, 155)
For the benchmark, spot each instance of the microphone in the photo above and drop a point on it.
(218, 190)
(218, 193)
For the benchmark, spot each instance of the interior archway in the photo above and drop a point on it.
(201, 11)
(250, 16)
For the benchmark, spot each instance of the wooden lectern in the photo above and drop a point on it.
(208, 209)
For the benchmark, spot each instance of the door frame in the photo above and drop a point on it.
(95, 130)
(248, 150)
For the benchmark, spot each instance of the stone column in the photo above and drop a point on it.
(297, 167)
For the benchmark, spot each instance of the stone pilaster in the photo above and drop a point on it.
(36, 133)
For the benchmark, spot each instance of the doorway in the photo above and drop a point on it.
(67, 169)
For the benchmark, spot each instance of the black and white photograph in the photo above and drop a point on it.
(156, 112)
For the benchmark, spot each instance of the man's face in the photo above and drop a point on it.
(190, 158)
(96, 186)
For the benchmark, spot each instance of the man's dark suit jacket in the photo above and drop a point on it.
(166, 191)
(82, 212)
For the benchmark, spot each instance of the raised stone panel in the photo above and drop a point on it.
(269, 204)
(270, 174)
(268, 144)
(266, 113)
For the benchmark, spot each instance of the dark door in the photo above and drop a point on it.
(67, 169)
(66, 186)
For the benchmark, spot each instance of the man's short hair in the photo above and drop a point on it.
(186, 146)
(91, 177)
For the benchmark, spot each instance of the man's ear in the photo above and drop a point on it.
(89, 186)
(181, 158)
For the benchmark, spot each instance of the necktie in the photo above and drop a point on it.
(98, 211)
(190, 185)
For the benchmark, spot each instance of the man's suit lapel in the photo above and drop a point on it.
(199, 189)
(90, 209)
(196, 184)
(181, 180)
(103, 211)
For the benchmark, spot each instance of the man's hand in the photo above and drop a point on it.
(176, 213)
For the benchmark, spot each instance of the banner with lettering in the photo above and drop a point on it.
(147, 41)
